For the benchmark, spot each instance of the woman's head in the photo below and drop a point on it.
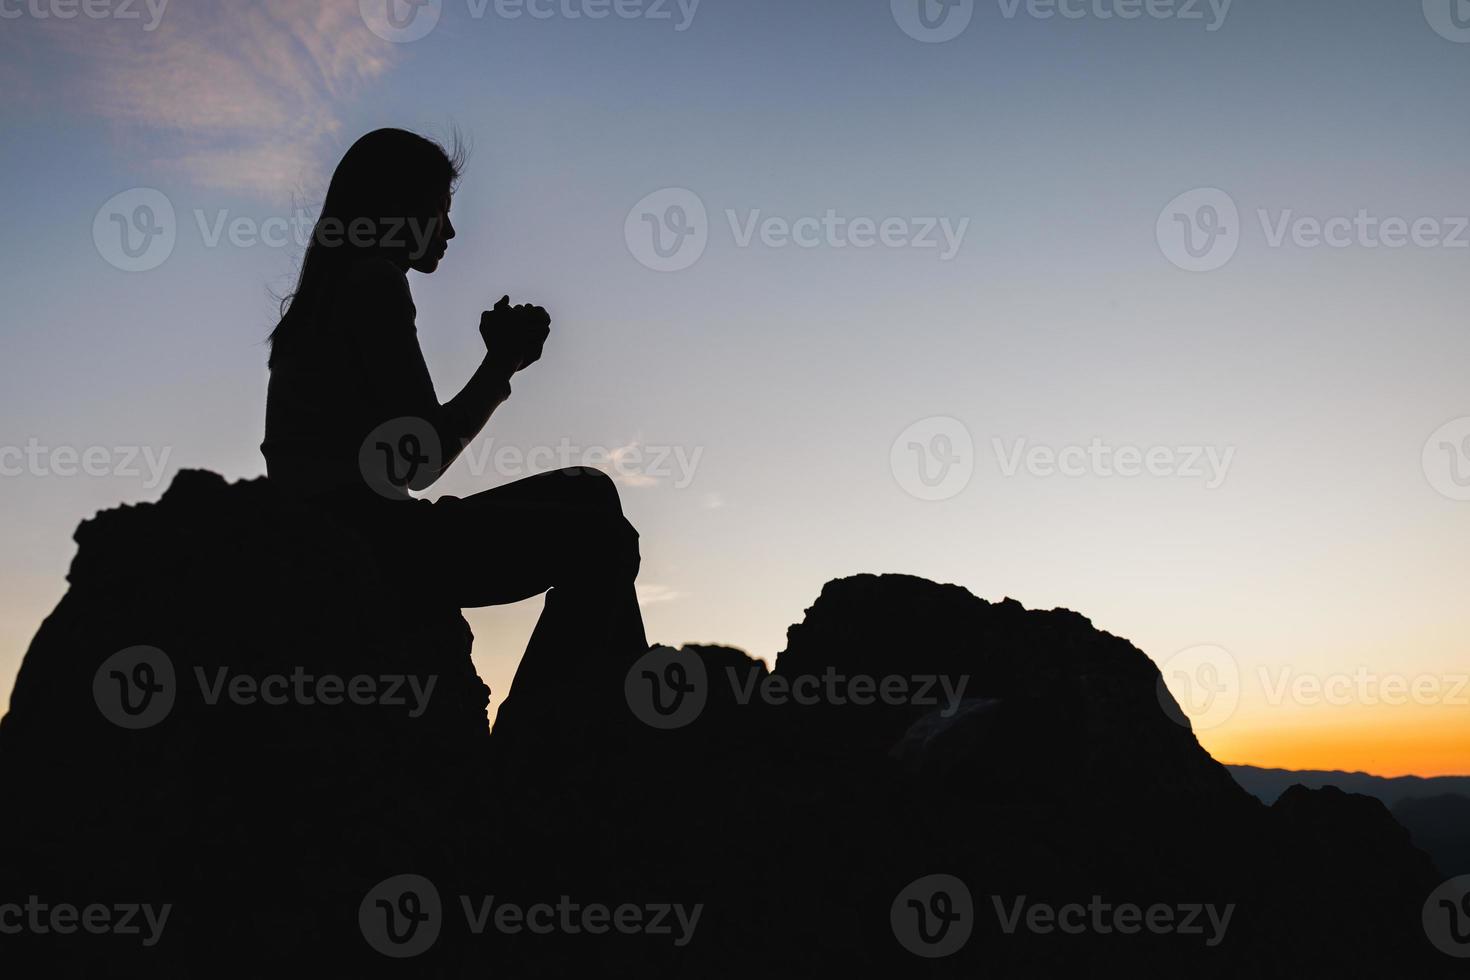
(389, 197)
(390, 194)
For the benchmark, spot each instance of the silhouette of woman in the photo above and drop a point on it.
(353, 424)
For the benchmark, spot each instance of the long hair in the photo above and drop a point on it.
(388, 178)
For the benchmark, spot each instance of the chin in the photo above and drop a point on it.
(427, 264)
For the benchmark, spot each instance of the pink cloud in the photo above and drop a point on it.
(239, 96)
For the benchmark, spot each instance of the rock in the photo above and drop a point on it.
(910, 734)
(256, 821)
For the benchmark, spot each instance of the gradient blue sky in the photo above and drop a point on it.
(792, 371)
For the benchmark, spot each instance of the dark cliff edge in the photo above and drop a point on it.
(171, 740)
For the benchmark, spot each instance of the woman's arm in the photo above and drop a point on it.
(381, 320)
(463, 416)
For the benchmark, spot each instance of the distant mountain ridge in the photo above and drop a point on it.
(1268, 784)
(1434, 810)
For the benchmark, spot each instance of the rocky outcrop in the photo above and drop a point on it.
(254, 820)
(916, 750)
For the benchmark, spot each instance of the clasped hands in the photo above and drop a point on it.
(515, 335)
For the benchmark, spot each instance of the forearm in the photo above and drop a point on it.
(464, 415)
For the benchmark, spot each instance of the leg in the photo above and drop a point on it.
(562, 531)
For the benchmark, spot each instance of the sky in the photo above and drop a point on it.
(1150, 310)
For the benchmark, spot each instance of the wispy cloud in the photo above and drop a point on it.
(242, 96)
(649, 595)
(624, 463)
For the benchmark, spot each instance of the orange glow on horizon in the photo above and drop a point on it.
(1417, 748)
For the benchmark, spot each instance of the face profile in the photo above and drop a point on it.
(428, 249)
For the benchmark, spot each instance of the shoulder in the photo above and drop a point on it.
(375, 289)
(375, 274)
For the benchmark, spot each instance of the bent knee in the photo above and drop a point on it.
(593, 488)
(600, 547)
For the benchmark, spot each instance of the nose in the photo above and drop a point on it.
(448, 228)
